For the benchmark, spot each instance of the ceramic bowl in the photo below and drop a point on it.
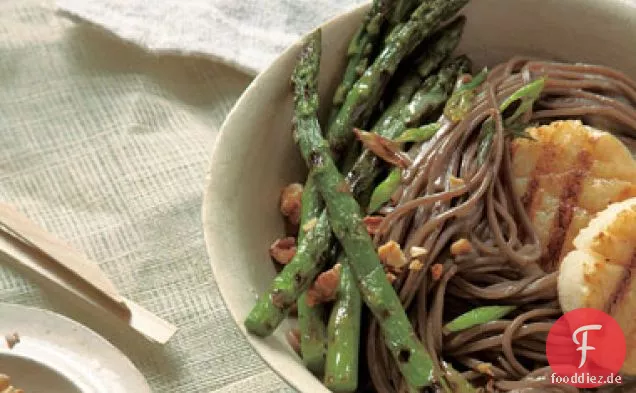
(254, 156)
(54, 354)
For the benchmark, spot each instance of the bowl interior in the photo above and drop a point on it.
(32, 376)
(255, 157)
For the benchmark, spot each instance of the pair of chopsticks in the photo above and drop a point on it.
(32, 248)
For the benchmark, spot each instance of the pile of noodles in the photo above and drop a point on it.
(503, 269)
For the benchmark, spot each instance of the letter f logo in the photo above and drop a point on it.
(583, 344)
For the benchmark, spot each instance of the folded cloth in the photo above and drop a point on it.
(247, 34)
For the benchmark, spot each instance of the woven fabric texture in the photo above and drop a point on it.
(106, 146)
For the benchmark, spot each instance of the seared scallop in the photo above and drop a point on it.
(601, 272)
(565, 176)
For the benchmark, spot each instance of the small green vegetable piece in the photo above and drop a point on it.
(461, 102)
(417, 135)
(527, 95)
(383, 192)
(475, 82)
(341, 370)
(478, 316)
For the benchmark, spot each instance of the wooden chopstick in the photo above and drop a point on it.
(32, 248)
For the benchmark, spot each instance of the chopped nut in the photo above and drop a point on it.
(293, 338)
(290, 202)
(12, 340)
(325, 288)
(310, 224)
(437, 270)
(461, 247)
(283, 250)
(416, 265)
(384, 148)
(456, 182)
(372, 223)
(417, 252)
(391, 277)
(392, 256)
(5, 385)
(485, 368)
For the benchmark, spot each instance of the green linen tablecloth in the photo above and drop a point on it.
(106, 146)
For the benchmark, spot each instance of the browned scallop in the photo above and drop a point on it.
(565, 176)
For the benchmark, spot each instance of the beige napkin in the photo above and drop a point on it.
(247, 34)
(106, 146)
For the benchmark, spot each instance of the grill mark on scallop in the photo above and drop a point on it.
(567, 202)
(615, 299)
(548, 155)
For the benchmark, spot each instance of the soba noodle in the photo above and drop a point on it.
(503, 267)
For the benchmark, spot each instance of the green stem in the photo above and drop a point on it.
(430, 97)
(346, 220)
(341, 370)
(478, 316)
(313, 335)
(385, 190)
(368, 89)
(361, 48)
(311, 255)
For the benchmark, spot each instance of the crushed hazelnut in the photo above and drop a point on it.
(290, 202)
(12, 340)
(391, 277)
(392, 255)
(417, 252)
(456, 182)
(5, 385)
(485, 368)
(372, 223)
(461, 247)
(416, 265)
(437, 270)
(283, 250)
(309, 225)
(325, 288)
